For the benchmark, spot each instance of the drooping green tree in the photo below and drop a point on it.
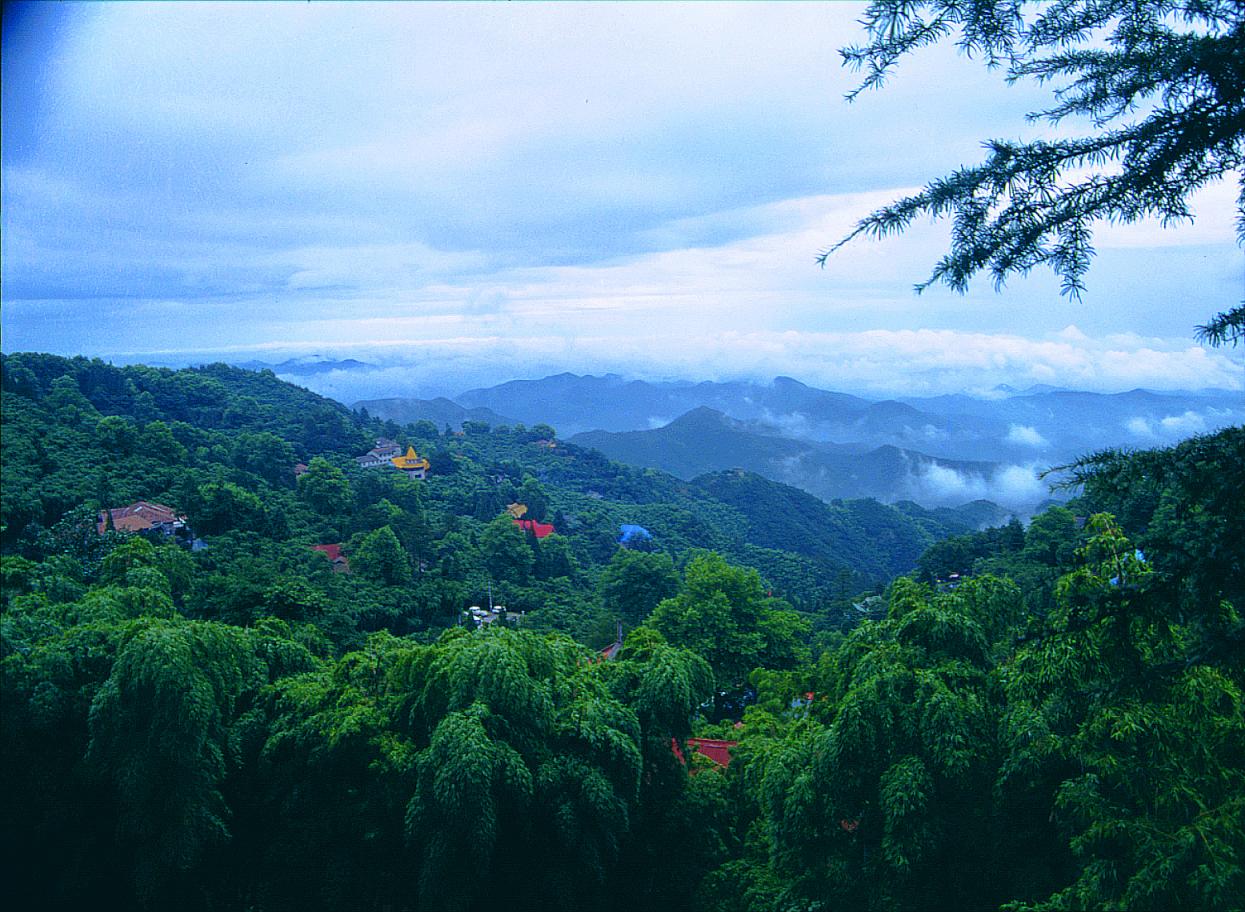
(888, 805)
(159, 738)
(320, 810)
(531, 768)
(1134, 742)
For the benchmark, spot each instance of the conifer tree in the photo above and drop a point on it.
(1162, 85)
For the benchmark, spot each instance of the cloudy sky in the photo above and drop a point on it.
(464, 193)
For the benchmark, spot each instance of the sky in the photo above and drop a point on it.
(460, 194)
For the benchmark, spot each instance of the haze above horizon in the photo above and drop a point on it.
(462, 194)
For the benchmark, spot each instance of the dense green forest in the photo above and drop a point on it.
(919, 714)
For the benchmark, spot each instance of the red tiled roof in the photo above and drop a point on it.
(715, 749)
(332, 552)
(539, 529)
(139, 517)
(340, 562)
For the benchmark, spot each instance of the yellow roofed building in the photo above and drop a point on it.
(411, 463)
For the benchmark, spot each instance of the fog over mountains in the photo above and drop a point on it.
(936, 451)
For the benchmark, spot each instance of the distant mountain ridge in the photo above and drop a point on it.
(704, 440)
(781, 516)
(573, 403)
(1040, 423)
(804, 436)
(439, 411)
(306, 367)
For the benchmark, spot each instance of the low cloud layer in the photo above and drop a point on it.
(1149, 430)
(1016, 487)
(1025, 436)
(876, 363)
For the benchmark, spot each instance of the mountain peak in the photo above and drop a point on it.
(702, 416)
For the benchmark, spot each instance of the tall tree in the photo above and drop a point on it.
(380, 557)
(505, 550)
(723, 613)
(634, 582)
(325, 488)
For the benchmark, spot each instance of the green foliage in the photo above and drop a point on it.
(243, 727)
(266, 455)
(158, 728)
(325, 489)
(723, 614)
(224, 506)
(1148, 748)
(634, 582)
(1180, 504)
(528, 757)
(1051, 538)
(380, 557)
(505, 551)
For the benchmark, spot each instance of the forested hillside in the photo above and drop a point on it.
(280, 701)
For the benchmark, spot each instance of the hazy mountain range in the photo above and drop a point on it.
(439, 411)
(306, 366)
(705, 440)
(936, 451)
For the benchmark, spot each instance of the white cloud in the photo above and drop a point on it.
(1183, 425)
(435, 345)
(1170, 428)
(1024, 435)
(1016, 486)
(372, 267)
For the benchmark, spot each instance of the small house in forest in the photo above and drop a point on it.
(341, 563)
(715, 749)
(539, 529)
(386, 447)
(143, 516)
(382, 455)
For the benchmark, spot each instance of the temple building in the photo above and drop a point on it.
(411, 463)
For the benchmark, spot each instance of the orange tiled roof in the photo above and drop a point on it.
(139, 517)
